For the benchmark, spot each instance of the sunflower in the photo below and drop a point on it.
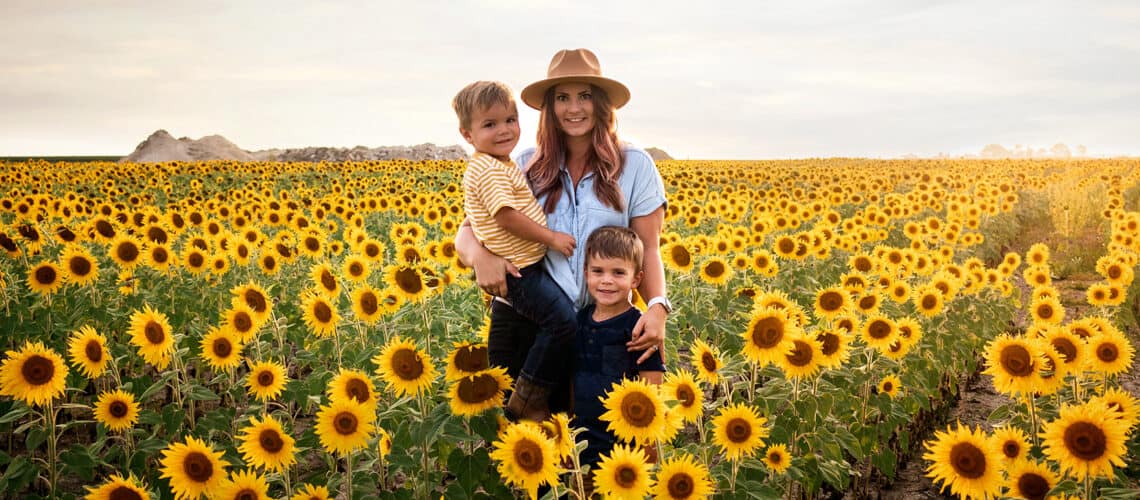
(1037, 255)
(1047, 310)
(116, 410)
(320, 315)
(79, 266)
(909, 330)
(241, 322)
(1036, 275)
(118, 488)
(928, 300)
(682, 387)
(1013, 362)
(1012, 442)
(804, 360)
(150, 331)
(677, 257)
(869, 302)
(1121, 404)
(635, 412)
(356, 268)
(408, 281)
(763, 263)
(1029, 480)
(707, 362)
(739, 430)
(776, 457)
(326, 283)
(715, 271)
(899, 292)
(557, 428)
(265, 444)
(268, 263)
(1051, 372)
(243, 485)
(623, 474)
(125, 251)
(193, 468)
(1085, 440)
(1110, 352)
(879, 332)
(468, 358)
(966, 461)
(195, 260)
(889, 385)
(834, 345)
(46, 278)
(344, 425)
(475, 394)
(221, 350)
(266, 380)
(682, 478)
(312, 492)
(158, 257)
(526, 458)
(34, 374)
(404, 368)
(253, 296)
(87, 350)
(383, 442)
(354, 385)
(831, 302)
(768, 336)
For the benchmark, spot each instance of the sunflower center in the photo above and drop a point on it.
(680, 255)
(369, 304)
(407, 364)
(93, 351)
(196, 259)
(830, 301)
(888, 386)
(680, 486)
(159, 255)
(409, 280)
(198, 467)
(327, 280)
(372, 250)
(104, 228)
(768, 333)
(45, 275)
(79, 265)
(715, 269)
(345, 423)
(322, 312)
(471, 358)
(738, 430)
(1085, 440)
(37, 370)
(127, 251)
(626, 477)
(246, 494)
(478, 388)
(637, 409)
(356, 269)
(1011, 448)
(708, 361)
(124, 493)
(1045, 311)
(270, 440)
(242, 322)
(1107, 352)
(968, 460)
(686, 395)
(265, 378)
(312, 244)
(357, 389)
(867, 303)
(528, 456)
(929, 302)
(222, 347)
(1032, 486)
(1066, 348)
(879, 329)
(1015, 359)
(154, 332)
(801, 354)
(775, 458)
(830, 342)
(118, 409)
(786, 245)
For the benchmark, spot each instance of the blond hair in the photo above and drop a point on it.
(480, 95)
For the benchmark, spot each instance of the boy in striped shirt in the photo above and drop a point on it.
(507, 219)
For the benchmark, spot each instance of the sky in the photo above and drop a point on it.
(709, 80)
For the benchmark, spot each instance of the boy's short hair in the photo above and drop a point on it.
(615, 242)
(480, 95)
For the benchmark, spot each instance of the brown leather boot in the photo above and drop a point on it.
(529, 401)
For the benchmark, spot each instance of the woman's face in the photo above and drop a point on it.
(574, 109)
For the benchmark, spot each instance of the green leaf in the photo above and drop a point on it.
(157, 385)
(469, 469)
(885, 461)
(18, 475)
(77, 459)
(17, 412)
(36, 437)
(202, 393)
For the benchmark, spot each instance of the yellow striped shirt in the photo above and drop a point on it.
(489, 185)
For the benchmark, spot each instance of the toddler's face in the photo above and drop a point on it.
(494, 131)
(610, 280)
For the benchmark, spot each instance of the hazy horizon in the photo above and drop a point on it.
(729, 80)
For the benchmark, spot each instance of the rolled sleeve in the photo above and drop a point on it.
(647, 190)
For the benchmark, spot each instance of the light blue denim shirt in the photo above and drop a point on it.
(579, 212)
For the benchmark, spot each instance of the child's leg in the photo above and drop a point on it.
(537, 297)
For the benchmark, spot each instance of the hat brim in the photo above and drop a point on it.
(534, 93)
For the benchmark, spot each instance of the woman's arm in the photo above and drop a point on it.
(490, 269)
(650, 329)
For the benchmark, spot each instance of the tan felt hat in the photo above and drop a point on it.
(576, 65)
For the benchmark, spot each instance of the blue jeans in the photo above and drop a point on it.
(534, 336)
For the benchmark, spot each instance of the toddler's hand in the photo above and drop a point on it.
(562, 243)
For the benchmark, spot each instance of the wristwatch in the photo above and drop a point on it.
(660, 299)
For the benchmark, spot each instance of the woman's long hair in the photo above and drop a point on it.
(604, 157)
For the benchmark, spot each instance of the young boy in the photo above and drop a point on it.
(613, 270)
(507, 219)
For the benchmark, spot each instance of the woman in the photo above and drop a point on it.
(584, 178)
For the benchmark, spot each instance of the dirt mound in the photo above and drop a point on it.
(161, 146)
(658, 154)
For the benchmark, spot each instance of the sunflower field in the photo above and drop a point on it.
(305, 330)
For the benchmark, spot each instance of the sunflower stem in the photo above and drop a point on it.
(732, 477)
(348, 474)
(420, 396)
(1033, 422)
(53, 476)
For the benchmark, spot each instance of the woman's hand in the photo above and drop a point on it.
(491, 273)
(649, 333)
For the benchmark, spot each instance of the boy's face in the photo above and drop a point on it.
(610, 280)
(494, 131)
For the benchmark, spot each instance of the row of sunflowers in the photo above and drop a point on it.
(301, 330)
